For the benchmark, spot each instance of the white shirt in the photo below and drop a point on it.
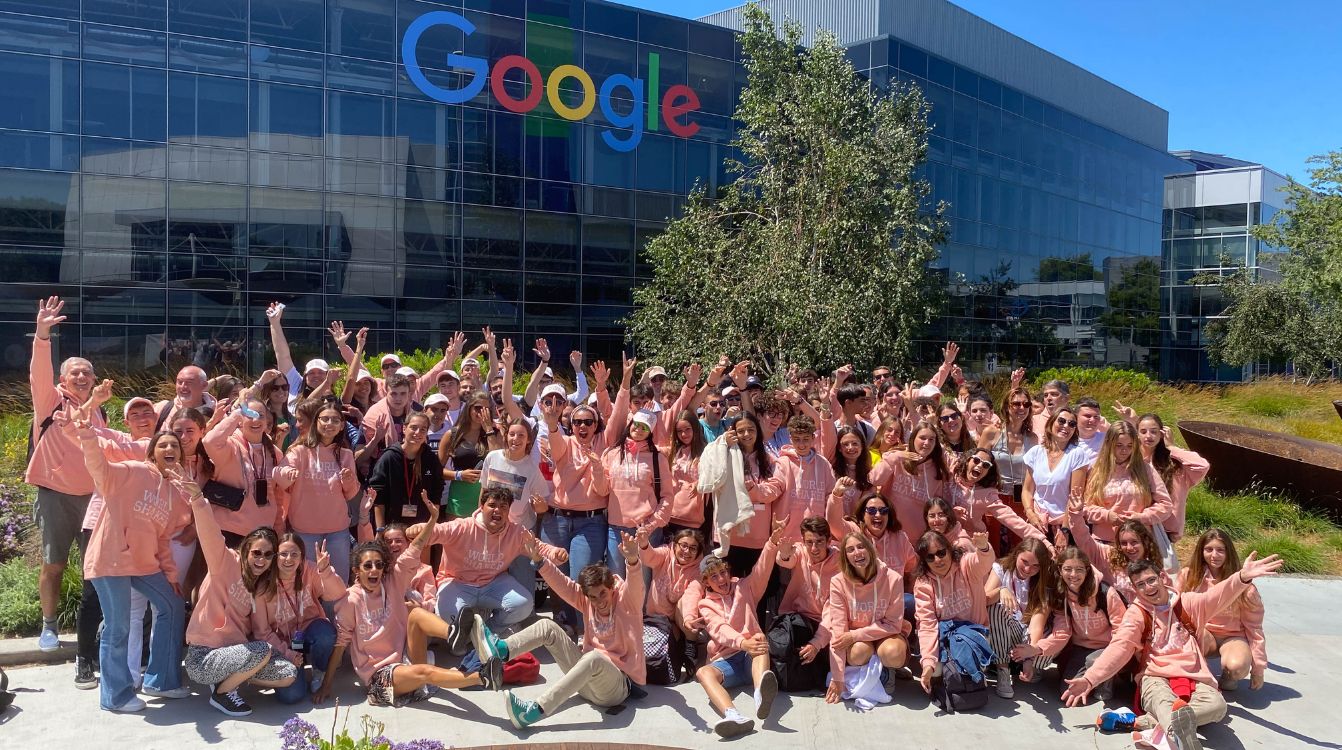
(1052, 486)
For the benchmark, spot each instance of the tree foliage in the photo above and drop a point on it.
(817, 252)
(1299, 320)
(1133, 312)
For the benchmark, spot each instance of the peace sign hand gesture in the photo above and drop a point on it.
(323, 557)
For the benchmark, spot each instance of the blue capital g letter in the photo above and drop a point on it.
(478, 68)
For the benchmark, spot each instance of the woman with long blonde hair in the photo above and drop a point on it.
(1123, 486)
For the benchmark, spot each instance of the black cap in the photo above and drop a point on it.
(754, 382)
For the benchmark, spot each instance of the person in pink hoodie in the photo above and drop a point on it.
(810, 474)
(814, 562)
(128, 551)
(675, 569)
(875, 517)
(219, 649)
(949, 585)
(1177, 690)
(424, 586)
(56, 467)
(245, 458)
(687, 502)
(1133, 542)
(319, 475)
(864, 615)
(636, 479)
(387, 640)
(738, 652)
(291, 617)
(765, 481)
(1121, 485)
(910, 477)
(1180, 469)
(473, 573)
(611, 657)
(1236, 633)
(974, 495)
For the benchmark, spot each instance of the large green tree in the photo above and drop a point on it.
(1299, 320)
(817, 252)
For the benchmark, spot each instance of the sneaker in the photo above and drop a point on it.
(764, 697)
(888, 677)
(1183, 729)
(491, 674)
(521, 713)
(903, 673)
(85, 679)
(733, 725)
(1117, 720)
(487, 645)
(173, 694)
(1227, 684)
(129, 707)
(459, 638)
(230, 703)
(48, 641)
(316, 683)
(1004, 682)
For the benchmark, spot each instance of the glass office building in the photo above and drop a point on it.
(172, 166)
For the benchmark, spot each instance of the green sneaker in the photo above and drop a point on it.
(487, 645)
(521, 713)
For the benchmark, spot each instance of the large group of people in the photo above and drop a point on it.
(829, 536)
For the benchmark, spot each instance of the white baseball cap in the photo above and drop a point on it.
(651, 373)
(549, 373)
(316, 364)
(730, 391)
(929, 391)
(554, 389)
(125, 409)
(406, 371)
(390, 358)
(449, 374)
(434, 400)
(645, 418)
(469, 361)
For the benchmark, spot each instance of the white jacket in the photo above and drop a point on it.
(722, 472)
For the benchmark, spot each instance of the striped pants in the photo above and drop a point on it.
(1005, 632)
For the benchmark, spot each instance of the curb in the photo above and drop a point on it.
(16, 652)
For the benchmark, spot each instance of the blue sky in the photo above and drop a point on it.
(1255, 80)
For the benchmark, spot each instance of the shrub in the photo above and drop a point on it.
(1269, 404)
(15, 521)
(20, 610)
(1085, 377)
(1238, 515)
(1299, 555)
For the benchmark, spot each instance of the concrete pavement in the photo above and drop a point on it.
(1295, 709)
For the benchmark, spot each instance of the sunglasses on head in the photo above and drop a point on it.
(876, 510)
(582, 422)
(372, 565)
(937, 554)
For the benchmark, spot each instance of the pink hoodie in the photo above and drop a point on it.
(763, 496)
(317, 496)
(811, 479)
(730, 619)
(871, 610)
(628, 485)
(275, 618)
(573, 485)
(231, 455)
(1087, 627)
(809, 586)
(957, 596)
(687, 504)
(1121, 495)
(893, 547)
(618, 636)
(1194, 469)
(426, 585)
(373, 626)
(1243, 620)
(1174, 652)
(669, 579)
(909, 493)
(115, 446)
(222, 616)
(1098, 552)
(57, 463)
(142, 511)
(473, 555)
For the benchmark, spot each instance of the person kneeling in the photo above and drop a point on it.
(387, 640)
(611, 656)
(865, 618)
(1177, 690)
(737, 648)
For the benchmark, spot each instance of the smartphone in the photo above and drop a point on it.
(249, 412)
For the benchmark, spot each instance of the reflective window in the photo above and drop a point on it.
(552, 243)
(226, 19)
(287, 171)
(712, 80)
(607, 290)
(122, 45)
(612, 20)
(121, 157)
(42, 93)
(209, 218)
(123, 213)
(38, 150)
(44, 36)
(286, 118)
(285, 222)
(124, 102)
(363, 228)
(56, 8)
(358, 28)
(207, 109)
(552, 287)
(207, 55)
(431, 233)
(38, 208)
(359, 126)
(433, 132)
(491, 237)
(286, 65)
(206, 164)
(144, 14)
(359, 75)
(663, 31)
(299, 24)
(485, 284)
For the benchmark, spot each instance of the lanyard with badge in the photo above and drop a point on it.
(411, 471)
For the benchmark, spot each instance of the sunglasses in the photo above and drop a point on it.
(976, 461)
(937, 555)
(261, 555)
(1020, 404)
(1067, 422)
(552, 400)
(876, 510)
(714, 404)
(949, 417)
(733, 399)
(582, 422)
(372, 565)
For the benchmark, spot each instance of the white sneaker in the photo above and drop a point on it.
(48, 641)
(130, 706)
(316, 683)
(733, 724)
(173, 694)
(1004, 682)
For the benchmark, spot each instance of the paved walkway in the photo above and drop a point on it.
(1297, 708)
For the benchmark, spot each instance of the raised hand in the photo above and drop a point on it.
(489, 337)
(949, 352)
(1017, 377)
(692, 374)
(980, 540)
(49, 315)
(628, 547)
(334, 374)
(740, 372)
(778, 525)
(842, 485)
(323, 557)
(575, 360)
(430, 506)
(1254, 567)
(957, 374)
(101, 393)
(361, 338)
(275, 311)
(641, 535)
(508, 356)
(1127, 413)
(628, 365)
(338, 332)
(542, 350)
(538, 504)
(454, 347)
(600, 375)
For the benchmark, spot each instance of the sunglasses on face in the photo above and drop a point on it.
(1020, 404)
(949, 417)
(552, 400)
(976, 461)
(372, 565)
(936, 555)
(733, 399)
(714, 404)
(1068, 423)
(582, 422)
(260, 555)
(876, 510)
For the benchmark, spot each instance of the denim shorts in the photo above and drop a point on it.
(735, 669)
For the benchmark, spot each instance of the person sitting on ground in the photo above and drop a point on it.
(948, 593)
(864, 615)
(737, 649)
(1177, 690)
(1236, 633)
(814, 562)
(611, 657)
(1018, 591)
(675, 573)
(424, 585)
(289, 613)
(387, 640)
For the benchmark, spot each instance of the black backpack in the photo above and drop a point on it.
(786, 635)
(657, 650)
(957, 691)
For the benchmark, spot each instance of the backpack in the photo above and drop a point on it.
(786, 635)
(958, 691)
(1180, 614)
(657, 650)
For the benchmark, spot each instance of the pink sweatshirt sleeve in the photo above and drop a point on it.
(1053, 643)
(1096, 551)
(759, 575)
(689, 602)
(295, 463)
(838, 525)
(925, 613)
(562, 585)
(1126, 641)
(834, 619)
(1251, 614)
(1014, 523)
(1162, 507)
(263, 627)
(719, 629)
(218, 447)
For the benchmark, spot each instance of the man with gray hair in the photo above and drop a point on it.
(1056, 395)
(191, 387)
(56, 464)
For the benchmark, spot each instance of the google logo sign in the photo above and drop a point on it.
(678, 102)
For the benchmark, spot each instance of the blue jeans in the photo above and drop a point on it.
(615, 559)
(165, 645)
(338, 545)
(320, 637)
(585, 540)
(504, 600)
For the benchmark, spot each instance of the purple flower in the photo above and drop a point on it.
(299, 735)
(420, 744)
